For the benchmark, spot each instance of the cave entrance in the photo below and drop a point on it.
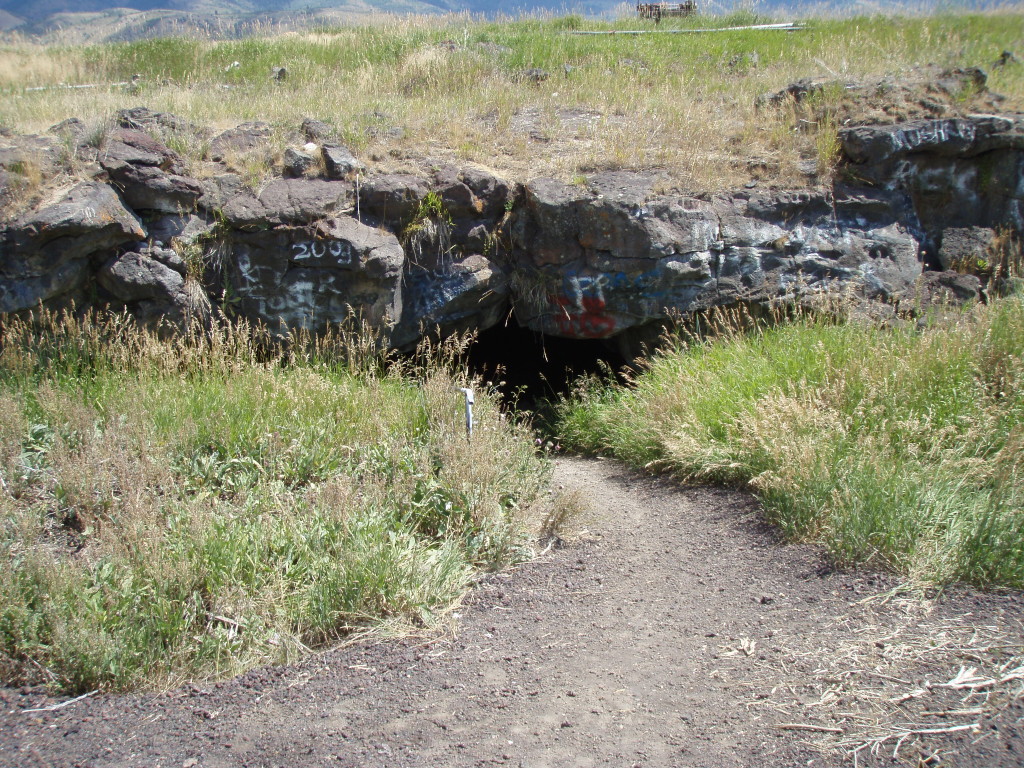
(531, 368)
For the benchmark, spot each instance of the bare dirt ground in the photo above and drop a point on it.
(677, 631)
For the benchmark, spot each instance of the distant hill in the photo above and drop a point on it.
(128, 24)
(36, 10)
(40, 10)
(93, 21)
(8, 20)
(103, 21)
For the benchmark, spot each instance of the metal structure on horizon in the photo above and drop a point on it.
(657, 11)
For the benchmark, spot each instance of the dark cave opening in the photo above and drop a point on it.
(530, 369)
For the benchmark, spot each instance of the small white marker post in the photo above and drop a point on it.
(469, 411)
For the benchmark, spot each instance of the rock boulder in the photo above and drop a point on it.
(964, 246)
(134, 277)
(47, 252)
(148, 173)
(339, 162)
(152, 285)
(287, 201)
(243, 138)
(316, 276)
(392, 198)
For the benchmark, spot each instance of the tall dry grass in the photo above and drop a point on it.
(188, 508)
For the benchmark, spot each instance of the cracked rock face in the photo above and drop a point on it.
(959, 173)
(596, 262)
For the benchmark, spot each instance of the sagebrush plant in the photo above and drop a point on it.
(455, 87)
(897, 448)
(187, 508)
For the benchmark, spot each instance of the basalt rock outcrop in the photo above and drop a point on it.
(958, 173)
(48, 254)
(453, 248)
(594, 262)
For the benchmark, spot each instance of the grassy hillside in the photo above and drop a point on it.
(462, 90)
(897, 449)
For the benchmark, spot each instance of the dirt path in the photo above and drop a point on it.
(678, 633)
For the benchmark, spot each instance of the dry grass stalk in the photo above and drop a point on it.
(835, 695)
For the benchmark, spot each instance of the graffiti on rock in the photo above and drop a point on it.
(430, 291)
(244, 268)
(589, 321)
(580, 309)
(935, 132)
(319, 249)
(295, 296)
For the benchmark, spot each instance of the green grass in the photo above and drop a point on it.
(178, 510)
(899, 449)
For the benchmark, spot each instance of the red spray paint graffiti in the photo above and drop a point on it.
(584, 316)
